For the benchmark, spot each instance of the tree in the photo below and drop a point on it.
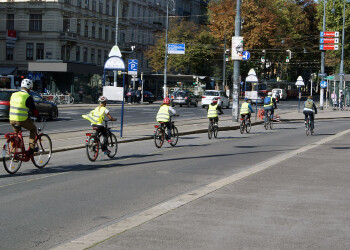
(199, 53)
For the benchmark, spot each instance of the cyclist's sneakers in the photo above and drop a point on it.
(170, 141)
(106, 152)
(33, 150)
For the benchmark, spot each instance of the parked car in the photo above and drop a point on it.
(148, 97)
(183, 97)
(223, 100)
(45, 108)
(281, 92)
(261, 98)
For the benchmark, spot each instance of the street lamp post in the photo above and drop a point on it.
(341, 69)
(116, 38)
(323, 54)
(166, 46)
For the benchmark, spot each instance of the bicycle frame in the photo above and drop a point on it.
(22, 155)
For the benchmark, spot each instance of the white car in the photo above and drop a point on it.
(281, 92)
(223, 100)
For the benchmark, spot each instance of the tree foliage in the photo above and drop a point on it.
(199, 52)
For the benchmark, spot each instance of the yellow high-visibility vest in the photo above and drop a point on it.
(18, 108)
(212, 111)
(96, 116)
(244, 108)
(163, 114)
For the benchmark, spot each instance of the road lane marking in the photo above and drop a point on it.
(29, 180)
(101, 235)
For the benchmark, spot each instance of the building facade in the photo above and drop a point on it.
(63, 44)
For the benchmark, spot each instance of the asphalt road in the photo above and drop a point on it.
(72, 196)
(70, 117)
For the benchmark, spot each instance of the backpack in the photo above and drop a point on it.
(267, 100)
(309, 104)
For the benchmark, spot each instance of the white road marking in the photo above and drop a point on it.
(129, 223)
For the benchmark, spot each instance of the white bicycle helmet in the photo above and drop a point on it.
(27, 83)
(102, 99)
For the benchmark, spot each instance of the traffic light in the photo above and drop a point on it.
(227, 53)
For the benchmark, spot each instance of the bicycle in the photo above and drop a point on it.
(160, 134)
(245, 125)
(14, 152)
(308, 129)
(93, 143)
(268, 122)
(213, 129)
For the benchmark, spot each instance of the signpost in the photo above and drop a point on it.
(323, 84)
(176, 48)
(329, 40)
(329, 34)
(329, 46)
(299, 83)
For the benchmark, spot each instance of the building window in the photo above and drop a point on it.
(99, 55)
(77, 54)
(10, 22)
(113, 9)
(107, 8)
(93, 31)
(86, 4)
(94, 5)
(35, 22)
(105, 56)
(65, 52)
(122, 39)
(66, 24)
(39, 51)
(9, 54)
(78, 27)
(79, 3)
(125, 10)
(100, 31)
(106, 33)
(85, 54)
(29, 51)
(92, 55)
(100, 6)
(86, 29)
(67, 1)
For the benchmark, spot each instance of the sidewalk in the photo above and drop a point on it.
(281, 203)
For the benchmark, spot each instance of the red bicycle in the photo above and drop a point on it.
(14, 152)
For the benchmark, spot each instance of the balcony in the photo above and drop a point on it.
(68, 36)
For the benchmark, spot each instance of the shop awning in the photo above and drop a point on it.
(7, 70)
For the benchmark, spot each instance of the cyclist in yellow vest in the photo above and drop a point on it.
(246, 109)
(213, 109)
(163, 115)
(21, 103)
(309, 106)
(269, 104)
(97, 116)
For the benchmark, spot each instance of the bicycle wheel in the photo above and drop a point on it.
(241, 127)
(112, 145)
(215, 130)
(307, 127)
(271, 124)
(210, 130)
(159, 137)
(11, 164)
(92, 147)
(41, 158)
(248, 126)
(266, 123)
(174, 136)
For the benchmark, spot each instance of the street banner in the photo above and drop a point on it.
(237, 48)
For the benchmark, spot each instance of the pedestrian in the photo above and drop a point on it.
(129, 94)
(334, 99)
(341, 99)
(138, 95)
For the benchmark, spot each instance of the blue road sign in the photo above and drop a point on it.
(132, 67)
(246, 55)
(176, 48)
(322, 74)
(323, 84)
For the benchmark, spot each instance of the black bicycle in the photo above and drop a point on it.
(160, 134)
(245, 124)
(93, 143)
(308, 129)
(213, 129)
(268, 121)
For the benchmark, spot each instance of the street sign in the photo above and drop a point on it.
(329, 34)
(329, 40)
(323, 84)
(132, 69)
(299, 82)
(329, 78)
(176, 49)
(322, 74)
(115, 63)
(329, 47)
(246, 55)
